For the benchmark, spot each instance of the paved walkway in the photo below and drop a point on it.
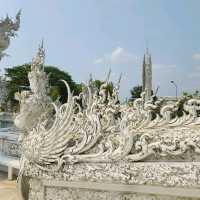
(7, 188)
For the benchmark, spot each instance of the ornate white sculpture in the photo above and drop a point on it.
(35, 102)
(100, 130)
(7, 30)
(104, 130)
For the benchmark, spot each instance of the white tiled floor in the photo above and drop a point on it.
(7, 188)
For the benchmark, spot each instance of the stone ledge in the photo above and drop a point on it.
(167, 174)
(142, 189)
(62, 190)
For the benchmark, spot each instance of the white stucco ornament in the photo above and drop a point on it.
(101, 131)
(7, 30)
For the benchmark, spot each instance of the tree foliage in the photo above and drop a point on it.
(18, 80)
(136, 92)
(196, 93)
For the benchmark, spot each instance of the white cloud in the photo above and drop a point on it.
(117, 56)
(99, 61)
(120, 55)
(196, 56)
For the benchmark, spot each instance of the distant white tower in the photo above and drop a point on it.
(147, 75)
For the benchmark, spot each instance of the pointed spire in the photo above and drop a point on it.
(147, 75)
(19, 13)
(144, 59)
(38, 60)
(41, 46)
(147, 47)
(7, 17)
(41, 52)
(16, 25)
(42, 43)
(108, 76)
(90, 79)
(147, 57)
(150, 60)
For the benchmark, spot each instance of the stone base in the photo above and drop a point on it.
(116, 181)
(50, 190)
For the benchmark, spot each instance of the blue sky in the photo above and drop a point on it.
(90, 36)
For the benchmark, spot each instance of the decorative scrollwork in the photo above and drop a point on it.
(101, 129)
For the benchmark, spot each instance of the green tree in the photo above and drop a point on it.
(186, 94)
(98, 83)
(18, 80)
(136, 92)
(196, 93)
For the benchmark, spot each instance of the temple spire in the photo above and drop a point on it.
(147, 75)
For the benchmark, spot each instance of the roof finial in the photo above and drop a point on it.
(38, 60)
(42, 44)
(90, 79)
